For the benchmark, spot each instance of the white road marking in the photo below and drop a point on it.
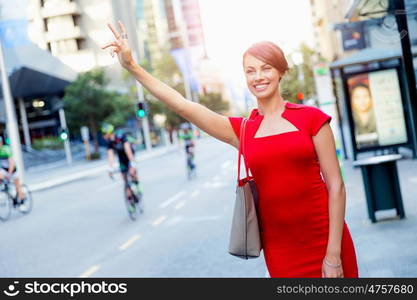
(109, 187)
(226, 164)
(129, 242)
(90, 271)
(195, 193)
(172, 199)
(179, 205)
(159, 221)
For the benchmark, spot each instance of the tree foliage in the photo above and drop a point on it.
(292, 84)
(87, 102)
(167, 71)
(215, 102)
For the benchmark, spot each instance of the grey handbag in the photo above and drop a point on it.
(245, 241)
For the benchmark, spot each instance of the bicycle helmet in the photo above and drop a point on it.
(107, 128)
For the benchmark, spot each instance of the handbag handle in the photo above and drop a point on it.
(242, 149)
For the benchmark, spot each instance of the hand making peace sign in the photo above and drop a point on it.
(121, 46)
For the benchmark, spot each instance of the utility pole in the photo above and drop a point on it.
(144, 120)
(125, 12)
(25, 124)
(66, 141)
(12, 126)
(398, 7)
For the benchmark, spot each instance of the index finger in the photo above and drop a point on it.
(122, 27)
(114, 30)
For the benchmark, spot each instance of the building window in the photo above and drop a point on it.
(81, 44)
(48, 45)
(76, 20)
(45, 25)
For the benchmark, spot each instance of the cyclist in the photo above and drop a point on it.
(8, 170)
(188, 137)
(118, 142)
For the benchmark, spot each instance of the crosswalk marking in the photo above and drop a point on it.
(90, 271)
(129, 242)
(172, 199)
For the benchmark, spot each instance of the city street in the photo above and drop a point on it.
(89, 88)
(82, 228)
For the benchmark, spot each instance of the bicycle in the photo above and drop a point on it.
(9, 199)
(133, 196)
(191, 167)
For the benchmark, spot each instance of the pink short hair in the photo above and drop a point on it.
(269, 53)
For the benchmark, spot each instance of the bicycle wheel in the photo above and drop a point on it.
(27, 204)
(191, 170)
(138, 196)
(5, 205)
(130, 202)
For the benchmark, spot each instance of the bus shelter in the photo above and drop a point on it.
(375, 116)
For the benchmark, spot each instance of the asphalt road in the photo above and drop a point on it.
(81, 229)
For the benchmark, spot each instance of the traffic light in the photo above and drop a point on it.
(141, 110)
(63, 134)
(300, 96)
(322, 71)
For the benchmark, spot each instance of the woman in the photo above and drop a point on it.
(363, 112)
(302, 218)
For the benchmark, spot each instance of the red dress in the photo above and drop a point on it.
(293, 198)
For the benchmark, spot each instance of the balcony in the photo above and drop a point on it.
(64, 8)
(72, 33)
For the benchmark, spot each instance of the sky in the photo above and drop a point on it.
(231, 26)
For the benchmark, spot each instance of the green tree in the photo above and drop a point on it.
(292, 84)
(87, 102)
(167, 71)
(215, 102)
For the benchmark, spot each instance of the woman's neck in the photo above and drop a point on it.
(271, 106)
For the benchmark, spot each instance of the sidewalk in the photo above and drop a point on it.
(50, 175)
(387, 248)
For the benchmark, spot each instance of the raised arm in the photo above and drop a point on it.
(214, 124)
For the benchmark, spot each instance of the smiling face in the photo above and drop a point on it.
(262, 79)
(361, 98)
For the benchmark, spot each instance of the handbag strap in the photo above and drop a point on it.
(242, 149)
